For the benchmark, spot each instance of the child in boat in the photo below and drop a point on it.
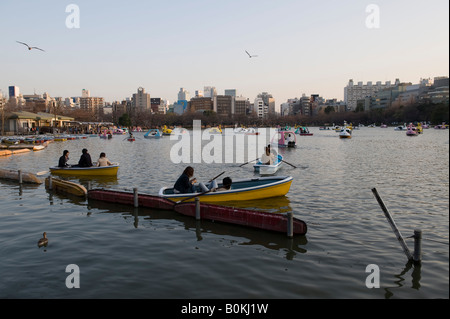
(226, 185)
(103, 161)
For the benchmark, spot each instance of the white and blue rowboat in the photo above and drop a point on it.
(268, 169)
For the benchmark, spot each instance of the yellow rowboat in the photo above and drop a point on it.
(241, 190)
(65, 187)
(86, 171)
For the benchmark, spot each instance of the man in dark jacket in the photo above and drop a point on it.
(85, 159)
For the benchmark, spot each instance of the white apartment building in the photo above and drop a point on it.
(353, 93)
(260, 108)
(141, 100)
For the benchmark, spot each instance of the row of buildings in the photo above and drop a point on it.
(357, 96)
(227, 104)
(374, 96)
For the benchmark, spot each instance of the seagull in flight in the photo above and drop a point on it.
(250, 56)
(29, 48)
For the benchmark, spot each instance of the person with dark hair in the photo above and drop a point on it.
(63, 159)
(226, 185)
(184, 184)
(85, 159)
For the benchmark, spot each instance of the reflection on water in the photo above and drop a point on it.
(416, 275)
(280, 204)
(91, 181)
(247, 235)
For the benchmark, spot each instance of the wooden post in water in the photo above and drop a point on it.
(417, 258)
(20, 176)
(290, 224)
(50, 182)
(393, 225)
(135, 197)
(197, 208)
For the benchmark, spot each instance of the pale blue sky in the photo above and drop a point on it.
(311, 47)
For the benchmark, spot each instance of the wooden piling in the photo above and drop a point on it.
(197, 209)
(50, 182)
(417, 257)
(135, 197)
(290, 225)
(393, 225)
(20, 176)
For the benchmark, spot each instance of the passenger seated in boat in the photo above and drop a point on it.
(85, 159)
(226, 185)
(183, 184)
(267, 158)
(63, 159)
(103, 161)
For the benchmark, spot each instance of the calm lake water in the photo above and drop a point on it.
(124, 252)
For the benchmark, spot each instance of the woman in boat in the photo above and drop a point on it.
(63, 159)
(103, 161)
(184, 184)
(267, 158)
(85, 159)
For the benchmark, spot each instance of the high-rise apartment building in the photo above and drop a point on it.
(353, 93)
(260, 108)
(141, 100)
(269, 104)
(93, 105)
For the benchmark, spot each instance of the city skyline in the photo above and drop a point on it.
(301, 47)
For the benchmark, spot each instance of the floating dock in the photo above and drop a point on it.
(239, 216)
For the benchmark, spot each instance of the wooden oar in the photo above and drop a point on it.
(247, 162)
(216, 176)
(289, 164)
(180, 201)
(183, 200)
(41, 173)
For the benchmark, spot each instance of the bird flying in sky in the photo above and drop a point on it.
(250, 56)
(29, 48)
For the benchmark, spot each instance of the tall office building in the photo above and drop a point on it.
(209, 91)
(13, 91)
(224, 105)
(141, 100)
(183, 95)
(231, 92)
